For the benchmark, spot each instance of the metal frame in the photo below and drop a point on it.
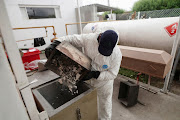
(173, 53)
(17, 66)
(41, 6)
(9, 92)
(45, 27)
(148, 85)
(24, 6)
(174, 69)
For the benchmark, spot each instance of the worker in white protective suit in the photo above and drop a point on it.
(106, 59)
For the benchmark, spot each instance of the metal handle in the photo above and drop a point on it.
(78, 112)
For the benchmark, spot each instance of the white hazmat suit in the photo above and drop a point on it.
(104, 83)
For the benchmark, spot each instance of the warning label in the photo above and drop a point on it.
(171, 29)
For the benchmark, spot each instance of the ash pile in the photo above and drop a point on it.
(70, 64)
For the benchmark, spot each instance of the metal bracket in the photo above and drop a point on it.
(165, 92)
(148, 87)
(43, 115)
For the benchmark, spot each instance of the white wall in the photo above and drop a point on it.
(68, 15)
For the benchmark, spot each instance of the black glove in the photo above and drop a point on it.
(51, 47)
(91, 74)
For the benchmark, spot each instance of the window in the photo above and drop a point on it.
(39, 13)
